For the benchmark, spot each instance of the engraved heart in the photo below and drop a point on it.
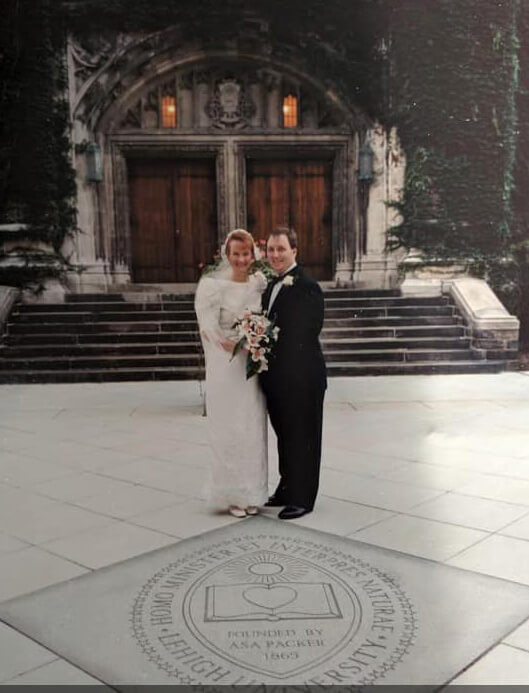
(272, 597)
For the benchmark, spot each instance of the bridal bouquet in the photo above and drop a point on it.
(257, 334)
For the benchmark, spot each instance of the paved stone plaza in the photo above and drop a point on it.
(425, 492)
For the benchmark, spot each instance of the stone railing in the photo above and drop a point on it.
(493, 329)
(8, 297)
(490, 325)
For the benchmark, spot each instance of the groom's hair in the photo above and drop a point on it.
(285, 231)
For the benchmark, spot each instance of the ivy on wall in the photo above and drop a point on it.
(457, 100)
(37, 182)
(520, 179)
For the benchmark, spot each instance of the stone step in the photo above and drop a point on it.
(144, 332)
(186, 303)
(102, 362)
(90, 326)
(23, 346)
(389, 311)
(58, 350)
(398, 331)
(103, 327)
(351, 293)
(419, 367)
(372, 302)
(112, 307)
(361, 293)
(191, 373)
(396, 343)
(395, 321)
(413, 312)
(403, 355)
(95, 375)
(91, 316)
(101, 338)
(74, 298)
(70, 352)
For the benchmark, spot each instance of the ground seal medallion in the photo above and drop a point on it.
(268, 609)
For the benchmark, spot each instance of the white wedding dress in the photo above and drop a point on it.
(235, 407)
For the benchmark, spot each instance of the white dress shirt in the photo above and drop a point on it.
(277, 287)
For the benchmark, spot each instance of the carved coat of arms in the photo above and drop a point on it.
(230, 106)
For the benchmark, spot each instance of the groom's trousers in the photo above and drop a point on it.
(297, 417)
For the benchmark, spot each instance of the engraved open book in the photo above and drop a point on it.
(251, 602)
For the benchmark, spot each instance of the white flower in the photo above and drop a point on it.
(258, 355)
(288, 280)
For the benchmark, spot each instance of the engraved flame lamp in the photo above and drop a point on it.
(366, 158)
(94, 163)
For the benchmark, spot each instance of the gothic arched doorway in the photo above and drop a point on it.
(196, 147)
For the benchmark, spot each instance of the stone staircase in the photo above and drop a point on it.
(384, 333)
(126, 337)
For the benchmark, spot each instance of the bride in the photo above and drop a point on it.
(236, 411)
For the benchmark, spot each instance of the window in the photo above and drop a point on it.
(169, 112)
(290, 111)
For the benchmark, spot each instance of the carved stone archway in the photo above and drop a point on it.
(117, 100)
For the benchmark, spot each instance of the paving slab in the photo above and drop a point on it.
(55, 673)
(503, 666)
(504, 557)
(31, 569)
(18, 654)
(520, 637)
(262, 601)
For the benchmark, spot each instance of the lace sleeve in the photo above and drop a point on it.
(207, 308)
(260, 281)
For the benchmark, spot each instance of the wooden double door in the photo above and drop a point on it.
(173, 218)
(296, 193)
(174, 221)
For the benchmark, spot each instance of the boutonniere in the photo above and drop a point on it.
(288, 280)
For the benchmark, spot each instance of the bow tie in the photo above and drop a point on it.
(280, 278)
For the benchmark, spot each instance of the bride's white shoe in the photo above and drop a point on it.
(252, 510)
(236, 512)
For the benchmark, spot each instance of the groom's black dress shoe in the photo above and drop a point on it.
(274, 502)
(291, 512)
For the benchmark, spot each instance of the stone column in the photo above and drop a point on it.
(231, 185)
(273, 101)
(201, 99)
(256, 96)
(185, 101)
(86, 247)
(376, 268)
(343, 214)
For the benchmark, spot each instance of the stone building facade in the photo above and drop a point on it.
(194, 142)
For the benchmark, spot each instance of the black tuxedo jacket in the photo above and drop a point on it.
(296, 360)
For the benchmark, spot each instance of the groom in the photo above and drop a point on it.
(294, 385)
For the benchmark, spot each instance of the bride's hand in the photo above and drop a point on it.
(228, 346)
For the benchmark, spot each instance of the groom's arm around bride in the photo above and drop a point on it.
(295, 383)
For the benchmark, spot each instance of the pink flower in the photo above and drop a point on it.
(258, 354)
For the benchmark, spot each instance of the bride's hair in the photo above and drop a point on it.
(240, 235)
